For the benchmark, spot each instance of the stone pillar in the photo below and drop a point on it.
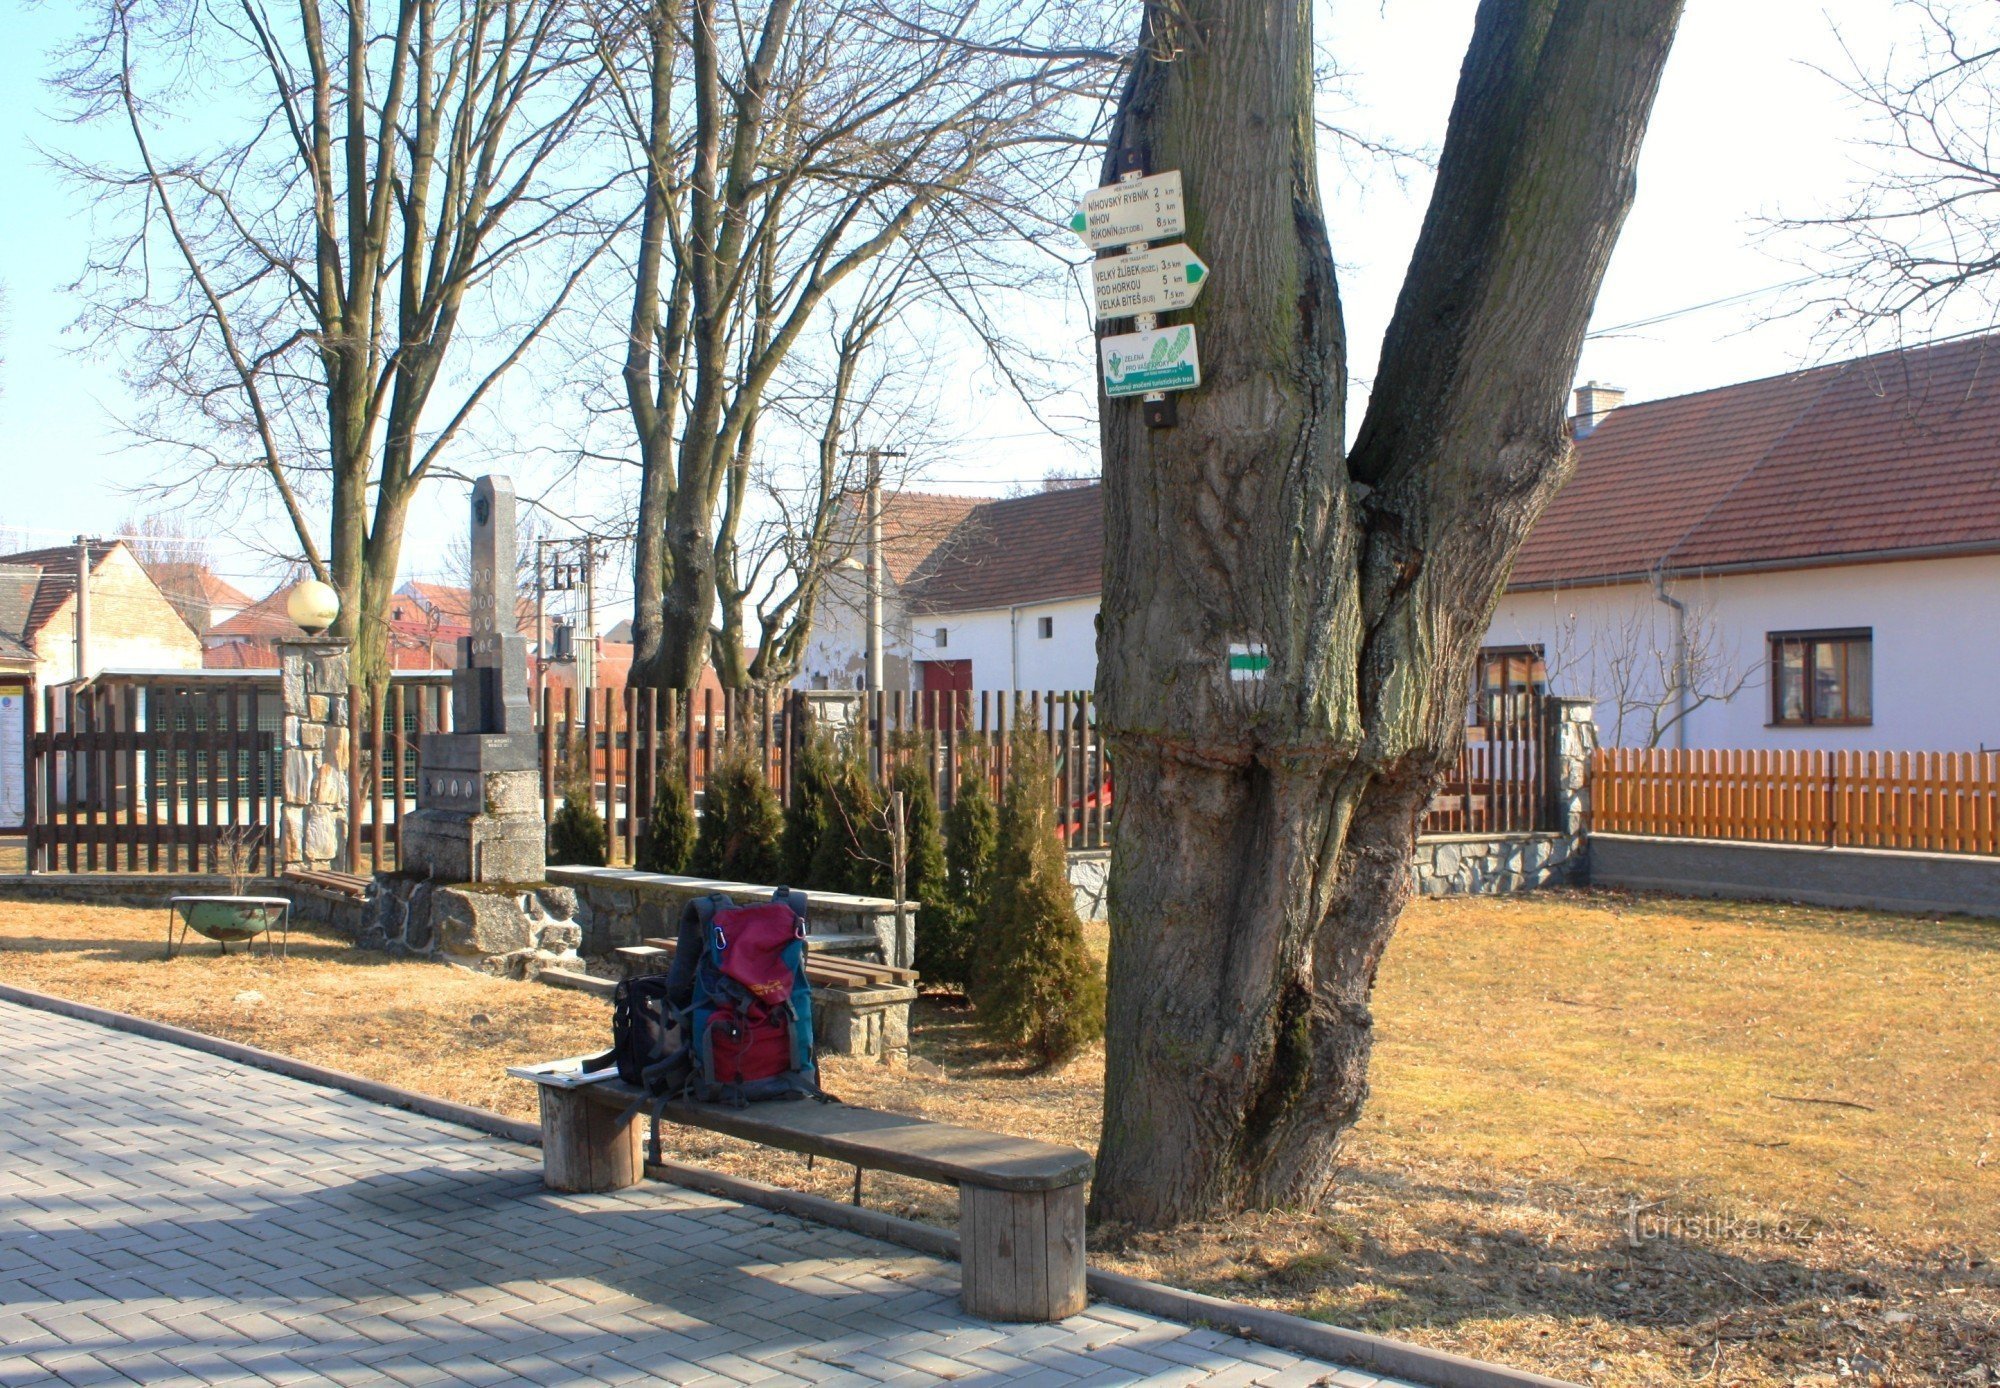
(1571, 741)
(313, 674)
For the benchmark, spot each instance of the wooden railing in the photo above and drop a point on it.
(1941, 802)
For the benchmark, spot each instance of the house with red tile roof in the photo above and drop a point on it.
(131, 622)
(203, 597)
(978, 594)
(249, 640)
(1805, 561)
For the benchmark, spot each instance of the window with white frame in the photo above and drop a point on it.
(1045, 627)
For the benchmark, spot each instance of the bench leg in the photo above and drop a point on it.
(1021, 1253)
(587, 1146)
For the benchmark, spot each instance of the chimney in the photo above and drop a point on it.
(1594, 400)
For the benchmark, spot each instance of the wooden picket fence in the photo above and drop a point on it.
(1499, 785)
(182, 784)
(1939, 802)
(630, 733)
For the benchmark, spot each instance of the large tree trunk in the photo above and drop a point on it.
(1265, 827)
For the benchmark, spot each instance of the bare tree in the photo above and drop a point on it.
(1288, 625)
(377, 203)
(788, 146)
(1648, 668)
(1919, 239)
(159, 539)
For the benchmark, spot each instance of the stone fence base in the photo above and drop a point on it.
(1446, 865)
(1496, 864)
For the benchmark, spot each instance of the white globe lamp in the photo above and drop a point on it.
(313, 606)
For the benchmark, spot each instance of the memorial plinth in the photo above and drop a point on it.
(479, 790)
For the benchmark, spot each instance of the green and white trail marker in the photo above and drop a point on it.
(1248, 661)
(1145, 209)
(1139, 363)
(1159, 280)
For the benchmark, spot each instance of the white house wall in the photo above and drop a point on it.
(1003, 644)
(1936, 649)
(1007, 650)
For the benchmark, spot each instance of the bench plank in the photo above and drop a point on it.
(340, 883)
(916, 1147)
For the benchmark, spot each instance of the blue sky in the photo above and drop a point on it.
(1744, 130)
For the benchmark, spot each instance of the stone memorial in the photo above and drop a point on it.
(479, 790)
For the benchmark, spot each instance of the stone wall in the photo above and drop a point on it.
(1090, 879)
(515, 932)
(1496, 864)
(313, 676)
(618, 907)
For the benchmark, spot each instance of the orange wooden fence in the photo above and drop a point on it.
(1941, 802)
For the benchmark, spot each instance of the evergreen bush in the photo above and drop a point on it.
(1039, 992)
(742, 824)
(853, 853)
(924, 869)
(577, 836)
(668, 843)
(972, 836)
(811, 810)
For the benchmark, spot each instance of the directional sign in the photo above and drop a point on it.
(1141, 363)
(1156, 281)
(1146, 209)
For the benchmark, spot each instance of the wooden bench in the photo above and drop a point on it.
(1020, 1201)
(345, 884)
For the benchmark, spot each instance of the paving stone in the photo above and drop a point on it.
(209, 1222)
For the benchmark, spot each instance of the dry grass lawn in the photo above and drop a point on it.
(1624, 1140)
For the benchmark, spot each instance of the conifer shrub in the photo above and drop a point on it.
(742, 824)
(577, 836)
(924, 870)
(971, 838)
(668, 843)
(811, 810)
(1038, 990)
(853, 853)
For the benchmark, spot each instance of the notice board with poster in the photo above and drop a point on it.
(13, 756)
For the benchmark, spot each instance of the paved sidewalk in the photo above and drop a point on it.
(167, 1216)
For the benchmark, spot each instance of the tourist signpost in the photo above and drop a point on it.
(1135, 208)
(1149, 363)
(1141, 282)
(1161, 280)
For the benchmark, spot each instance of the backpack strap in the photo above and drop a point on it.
(786, 896)
(690, 946)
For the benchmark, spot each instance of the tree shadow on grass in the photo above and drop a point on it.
(1581, 1269)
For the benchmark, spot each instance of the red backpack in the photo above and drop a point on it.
(747, 1022)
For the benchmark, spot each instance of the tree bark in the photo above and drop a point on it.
(1265, 825)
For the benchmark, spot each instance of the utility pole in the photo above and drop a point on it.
(541, 628)
(82, 607)
(873, 502)
(589, 680)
